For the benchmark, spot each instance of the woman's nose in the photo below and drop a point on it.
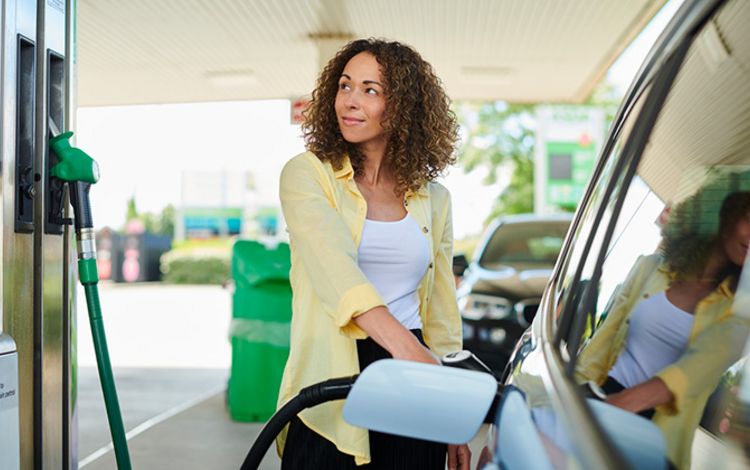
(352, 100)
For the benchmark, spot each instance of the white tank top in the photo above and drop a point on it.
(394, 257)
(657, 337)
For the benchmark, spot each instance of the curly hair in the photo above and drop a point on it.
(420, 127)
(695, 228)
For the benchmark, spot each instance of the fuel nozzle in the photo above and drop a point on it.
(465, 359)
(80, 171)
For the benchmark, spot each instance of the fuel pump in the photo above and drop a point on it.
(80, 171)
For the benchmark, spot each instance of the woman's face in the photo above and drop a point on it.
(737, 239)
(360, 102)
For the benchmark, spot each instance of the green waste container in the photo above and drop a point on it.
(259, 332)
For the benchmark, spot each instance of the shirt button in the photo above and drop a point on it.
(425, 230)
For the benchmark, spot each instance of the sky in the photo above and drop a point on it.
(143, 151)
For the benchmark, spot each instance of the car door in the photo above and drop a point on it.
(679, 147)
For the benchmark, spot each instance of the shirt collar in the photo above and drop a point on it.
(724, 288)
(346, 170)
(422, 191)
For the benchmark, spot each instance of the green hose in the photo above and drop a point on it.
(89, 279)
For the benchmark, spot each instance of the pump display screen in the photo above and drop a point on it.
(561, 166)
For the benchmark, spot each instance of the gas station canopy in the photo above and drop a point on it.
(173, 51)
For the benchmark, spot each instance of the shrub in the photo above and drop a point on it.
(193, 266)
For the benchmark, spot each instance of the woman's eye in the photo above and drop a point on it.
(371, 91)
(343, 86)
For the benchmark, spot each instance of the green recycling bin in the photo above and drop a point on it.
(259, 332)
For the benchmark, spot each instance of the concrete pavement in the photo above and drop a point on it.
(171, 357)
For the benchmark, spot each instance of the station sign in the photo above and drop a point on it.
(568, 140)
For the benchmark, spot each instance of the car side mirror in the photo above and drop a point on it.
(423, 401)
(460, 263)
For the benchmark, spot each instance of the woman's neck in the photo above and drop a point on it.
(715, 266)
(375, 169)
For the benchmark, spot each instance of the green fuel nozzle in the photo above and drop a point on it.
(73, 163)
(80, 171)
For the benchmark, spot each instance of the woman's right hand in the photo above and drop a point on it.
(417, 353)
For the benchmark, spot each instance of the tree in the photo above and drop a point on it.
(161, 223)
(132, 210)
(500, 137)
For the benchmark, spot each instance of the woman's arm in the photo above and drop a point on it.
(701, 366)
(389, 333)
(645, 396)
(707, 358)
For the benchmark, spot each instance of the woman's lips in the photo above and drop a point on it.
(350, 121)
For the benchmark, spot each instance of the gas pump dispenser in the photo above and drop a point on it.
(37, 276)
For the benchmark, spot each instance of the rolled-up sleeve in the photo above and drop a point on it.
(324, 245)
(443, 329)
(706, 359)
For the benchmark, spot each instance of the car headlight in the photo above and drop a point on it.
(478, 307)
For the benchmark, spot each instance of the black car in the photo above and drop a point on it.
(499, 294)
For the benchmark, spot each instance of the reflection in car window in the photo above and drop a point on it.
(667, 333)
(536, 243)
(576, 257)
(642, 214)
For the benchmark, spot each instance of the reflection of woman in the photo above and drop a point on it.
(671, 333)
(371, 245)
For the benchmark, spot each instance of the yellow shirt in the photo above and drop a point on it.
(716, 341)
(325, 214)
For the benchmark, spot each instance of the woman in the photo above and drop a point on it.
(371, 246)
(671, 333)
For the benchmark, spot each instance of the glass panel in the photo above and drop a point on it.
(670, 324)
(576, 256)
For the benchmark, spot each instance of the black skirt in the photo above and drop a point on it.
(305, 449)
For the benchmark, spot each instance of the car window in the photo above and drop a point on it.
(666, 308)
(575, 269)
(533, 243)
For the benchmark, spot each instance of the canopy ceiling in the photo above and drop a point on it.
(171, 51)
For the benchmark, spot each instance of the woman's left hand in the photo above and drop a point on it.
(459, 457)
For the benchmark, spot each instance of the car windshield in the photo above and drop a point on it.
(535, 242)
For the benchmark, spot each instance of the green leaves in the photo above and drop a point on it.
(500, 137)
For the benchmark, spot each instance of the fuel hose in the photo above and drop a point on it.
(80, 171)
